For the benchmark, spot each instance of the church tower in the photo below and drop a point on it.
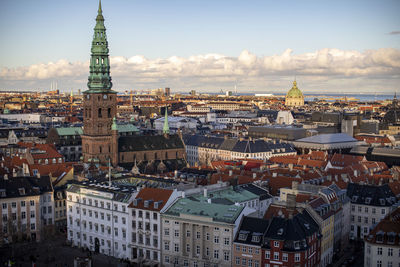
(100, 102)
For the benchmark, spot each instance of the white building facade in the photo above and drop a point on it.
(97, 218)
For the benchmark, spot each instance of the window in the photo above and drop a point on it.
(216, 239)
(32, 214)
(284, 257)
(198, 250)
(176, 247)
(244, 261)
(187, 233)
(297, 257)
(166, 245)
(237, 260)
(276, 256)
(23, 215)
(276, 244)
(379, 263)
(198, 235)
(226, 255)
(216, 254)
(22, 203)
(176, 234)
(390, 252)
(166, 231)
(379, 251)
(187, 247)
(32, 203)
(226, 241)
(208, 236)
(244, 249)
(32, 226)
(267, 255)
(383, 211)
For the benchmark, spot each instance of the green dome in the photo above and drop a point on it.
(294, 92)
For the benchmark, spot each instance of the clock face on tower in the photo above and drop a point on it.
(104, 96)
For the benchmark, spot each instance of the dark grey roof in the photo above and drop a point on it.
(237, 145)
(262, 193)
(151, 142)
(371, 195)
(31, 186)
(384, 151)
(250, 227)
(291, 231)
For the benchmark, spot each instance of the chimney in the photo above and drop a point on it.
(291, 201)
(295, 185)
(291, 166)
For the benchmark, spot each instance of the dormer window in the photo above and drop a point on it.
(391, 237)
(297, 245)
(21, 191)
(255, 238)
(280, 231)
(379, 237)
(382, 201)
(242, 236)
(2, 192)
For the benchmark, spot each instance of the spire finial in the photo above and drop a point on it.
(100, 11)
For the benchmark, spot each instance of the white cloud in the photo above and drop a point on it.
(215, 71)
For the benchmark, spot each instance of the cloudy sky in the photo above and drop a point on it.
(257, 46)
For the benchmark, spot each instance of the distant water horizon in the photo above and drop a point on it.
(366, 97)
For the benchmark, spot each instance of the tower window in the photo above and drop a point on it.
(90, 112)
(99, 115)
(97, 60)
(102, 61)
(100, 149)
(109, 112)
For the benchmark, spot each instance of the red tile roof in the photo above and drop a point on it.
(154, 194)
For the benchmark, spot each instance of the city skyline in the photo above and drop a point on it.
(259, 46)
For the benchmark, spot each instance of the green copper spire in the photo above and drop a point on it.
(114, 126)
(99, 78)
(166, 126)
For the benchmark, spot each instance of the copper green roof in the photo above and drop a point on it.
(63, 131)
(218, 212)
(294, 92)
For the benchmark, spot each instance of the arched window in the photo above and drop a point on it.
(99, 113)
(97, 60)
(109, 112)
(102, 61)
(100, 149)
(87, 148)
(90, 112)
